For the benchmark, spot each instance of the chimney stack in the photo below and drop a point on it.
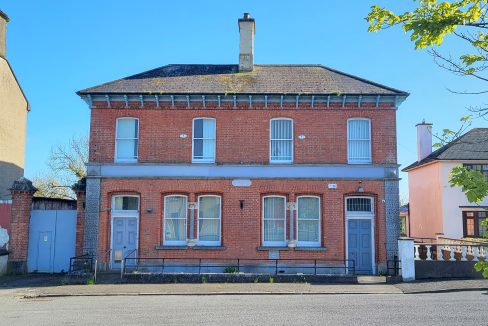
(3, 34)
(424, 140)
(247, 29)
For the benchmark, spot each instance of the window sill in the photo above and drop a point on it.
(265, 248)
(209, 248)
(159, 247)
(310, 249)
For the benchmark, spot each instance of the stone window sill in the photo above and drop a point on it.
(262, 248)
(208, 248)
(310, 249)
(159, 247)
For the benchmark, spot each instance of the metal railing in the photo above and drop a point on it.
(393, 266)
(81, 264)
(282, 266)
(102, 257)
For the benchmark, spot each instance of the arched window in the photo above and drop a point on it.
(308, 221)
(204, 140)
(274, 221)
(281, 140)
(209, 220)
(359, 141)
(175, 216)
(126, 139)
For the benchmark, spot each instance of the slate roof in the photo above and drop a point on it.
(226, 79)
(473, 145)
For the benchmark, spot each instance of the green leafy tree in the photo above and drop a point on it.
(429, 24)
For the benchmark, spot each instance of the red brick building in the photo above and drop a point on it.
(243, 161)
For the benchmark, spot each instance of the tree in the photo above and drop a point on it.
(66, 166)
(429, 23)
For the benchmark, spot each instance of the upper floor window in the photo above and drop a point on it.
(209, 217)
(204, 140)
(359, 141)
(308, 221)
(125, 203)
(175, 215)
(483, 168)
(274, 219)
(281, 141)
(359, 205)
(126, 141)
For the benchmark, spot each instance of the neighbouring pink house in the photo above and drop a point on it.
(436, 207)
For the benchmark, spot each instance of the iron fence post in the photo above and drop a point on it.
(238, 265)
(276, 266)
(315, 267)
(199, 265)
(122, 265)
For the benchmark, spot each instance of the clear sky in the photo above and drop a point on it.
(57, 47)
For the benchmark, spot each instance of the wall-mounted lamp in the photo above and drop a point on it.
(183, 136)
(301, 137)
(149, 210)
(241, 204)
(360, 187)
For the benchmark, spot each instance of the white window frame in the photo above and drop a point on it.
(133, 160)
(210, 243)
(292, 142)
(196, 160)
(309, 243)
(352, 215)
(357, 161)
(175, 242)
(121, 213)
(274, 243)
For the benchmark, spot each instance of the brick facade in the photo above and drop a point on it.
(241, 228)
(243, 135)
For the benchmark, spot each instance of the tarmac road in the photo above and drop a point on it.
(457, 308)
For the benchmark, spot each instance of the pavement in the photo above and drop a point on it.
(35, 286)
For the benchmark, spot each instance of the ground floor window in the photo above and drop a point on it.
(473, 228)
(209, 217)
(274, 219)
(175, 216)
(308, 221)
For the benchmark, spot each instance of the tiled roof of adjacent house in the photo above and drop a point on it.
(226, 79)
(473, 145)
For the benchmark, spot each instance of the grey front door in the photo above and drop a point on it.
(124, 240)
(44, 252)
(359, 245)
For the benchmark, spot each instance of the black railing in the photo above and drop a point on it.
(393, 266)
(81, 264)
(156, 265)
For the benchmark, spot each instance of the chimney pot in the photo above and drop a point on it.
(424, 140)
(247, 29)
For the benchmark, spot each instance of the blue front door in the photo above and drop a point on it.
(124, 240)
(359, 246)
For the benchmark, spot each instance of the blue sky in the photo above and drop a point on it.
(58, 47)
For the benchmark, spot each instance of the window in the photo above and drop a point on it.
(274, 219)
(473, 228)
(175, 214)
(281, 141)
(125, 203)
(209, 217)
(483, 168)
(204, 140)
(358, 141)
(308, 221)
(127, 137)
(359, 205)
